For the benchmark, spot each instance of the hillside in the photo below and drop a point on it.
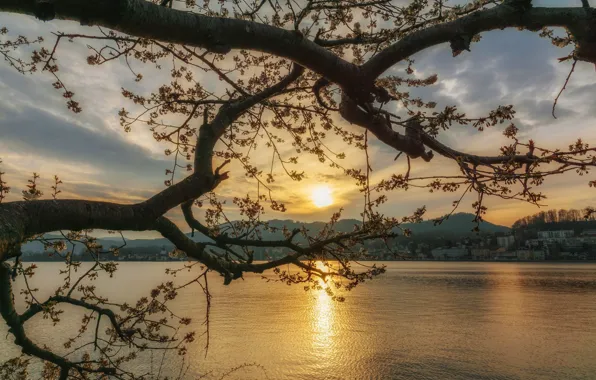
(458, 225)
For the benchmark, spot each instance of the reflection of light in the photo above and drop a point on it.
(508, 296)
(320, 266)
(323, 315)
(511, 311)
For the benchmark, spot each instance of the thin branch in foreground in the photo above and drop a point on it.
(564, 86)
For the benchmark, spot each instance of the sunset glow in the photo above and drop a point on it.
(321, 196)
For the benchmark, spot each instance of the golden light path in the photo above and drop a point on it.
(321, 196)
(323, 319)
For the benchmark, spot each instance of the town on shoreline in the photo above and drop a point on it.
(553, 235)
(556, 245)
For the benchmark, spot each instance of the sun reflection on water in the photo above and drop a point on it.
(323, 318)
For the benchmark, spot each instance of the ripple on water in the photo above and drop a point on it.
(421, 320)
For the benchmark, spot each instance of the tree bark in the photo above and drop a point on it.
(19, 220)
(141, 18)
(499, 17)
(144, 19)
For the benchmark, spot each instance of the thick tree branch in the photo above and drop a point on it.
(147, 20)
(210, 132)
(19, 220)
(144, 19)
(499, 17)
(379, 124)
(358, 40)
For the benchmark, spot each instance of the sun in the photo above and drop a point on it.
(321, 196)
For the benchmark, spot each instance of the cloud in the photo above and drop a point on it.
(93, 164)
(44, 135)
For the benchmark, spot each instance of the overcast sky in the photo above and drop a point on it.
(96, 159)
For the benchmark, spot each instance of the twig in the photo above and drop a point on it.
(566, 81)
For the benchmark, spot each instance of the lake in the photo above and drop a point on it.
(420, 320)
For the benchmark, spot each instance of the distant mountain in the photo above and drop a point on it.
(457, 225)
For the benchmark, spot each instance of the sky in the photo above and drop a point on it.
(97, 160)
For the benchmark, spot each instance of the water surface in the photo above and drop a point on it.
(420, 320)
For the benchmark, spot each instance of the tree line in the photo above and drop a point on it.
(555, 216)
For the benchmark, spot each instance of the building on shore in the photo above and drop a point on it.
(539, 255)
(505, 241)
(557, 236)
(454, 253)
(480, 253)
(524, 254)
(502, 255)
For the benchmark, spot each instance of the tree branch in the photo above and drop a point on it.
(21, 219)
(232, 270)
(37, 308)
(499, 17)
(144, 19)
(15, 324)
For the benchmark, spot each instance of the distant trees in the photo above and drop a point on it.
(554, 216)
